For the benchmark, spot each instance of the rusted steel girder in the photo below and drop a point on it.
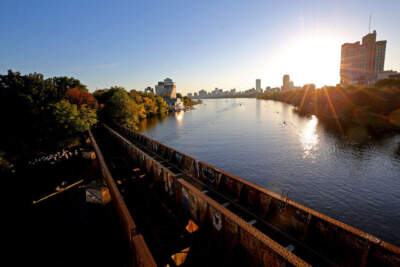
(140, 251)
(334, 239)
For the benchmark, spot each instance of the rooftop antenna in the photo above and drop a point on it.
(370, 18)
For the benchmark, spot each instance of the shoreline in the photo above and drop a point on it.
(365, 112)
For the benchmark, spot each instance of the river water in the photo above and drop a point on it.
(268, 144)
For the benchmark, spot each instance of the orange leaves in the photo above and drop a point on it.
(79, 97)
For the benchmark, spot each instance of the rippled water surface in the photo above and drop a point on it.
(268, 144)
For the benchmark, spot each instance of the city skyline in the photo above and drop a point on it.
(218, 45)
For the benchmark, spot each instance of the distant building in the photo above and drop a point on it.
(250, 91)
(389, 74)
(190, 95)
(380, 56)
(175, 104)
(217, 92)
(196, 95)
(166, 89)
(286, 83)
(360, 63)
(258, 84)
(149, 90)
(202, 93)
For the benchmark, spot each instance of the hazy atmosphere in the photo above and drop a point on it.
(200, 44)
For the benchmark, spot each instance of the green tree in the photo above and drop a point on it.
(120, 108)
(73, 120)
(161, 104)
(26, 108)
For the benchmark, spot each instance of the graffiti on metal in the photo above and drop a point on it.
(310, 226)
(229, 226)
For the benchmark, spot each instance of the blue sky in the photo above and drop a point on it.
(199, 44)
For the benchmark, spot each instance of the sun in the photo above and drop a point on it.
(312, 60)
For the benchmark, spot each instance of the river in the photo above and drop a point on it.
(268, 144)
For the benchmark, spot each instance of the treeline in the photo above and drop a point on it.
(39, 114)
(116, 105)
(187, 101)
(372, 108)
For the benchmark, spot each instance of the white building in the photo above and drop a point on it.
(166, 89)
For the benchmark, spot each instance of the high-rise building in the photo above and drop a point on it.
(380, 56)
(258, 84)
(166, 89)
(360, 62)
(286, 83)
(202, 93)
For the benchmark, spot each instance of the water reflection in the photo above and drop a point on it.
(179, 116)
(358, 184)
(309, 138)
(152, 121)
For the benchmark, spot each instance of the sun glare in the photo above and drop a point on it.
(309, 138)
(179, 116)
(312, 60)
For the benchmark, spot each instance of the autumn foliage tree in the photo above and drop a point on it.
(35, 111)
(81, 97)
(118, 106)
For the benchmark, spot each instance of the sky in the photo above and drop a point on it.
(199, 44)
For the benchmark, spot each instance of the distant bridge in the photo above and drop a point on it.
(158, 190)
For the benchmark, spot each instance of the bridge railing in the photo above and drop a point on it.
(182, 160)
(332, 238)
(228, 231)
(142, 254)
(328, 236)
(140, 251)
(269, 253)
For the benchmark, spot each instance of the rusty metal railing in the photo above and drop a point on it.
(140, 251)
(327, 235)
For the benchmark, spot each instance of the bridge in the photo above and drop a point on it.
(175, 209)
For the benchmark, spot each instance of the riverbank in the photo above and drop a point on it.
(355, 110)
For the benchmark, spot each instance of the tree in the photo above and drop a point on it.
(120, 108)
(66, 83)
(73, 120)
(161, 104)
(117, 105)
(27, 109)
(80, 97)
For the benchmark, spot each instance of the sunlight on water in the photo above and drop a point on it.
(309, 138)
(179, 116)
(269, 144)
